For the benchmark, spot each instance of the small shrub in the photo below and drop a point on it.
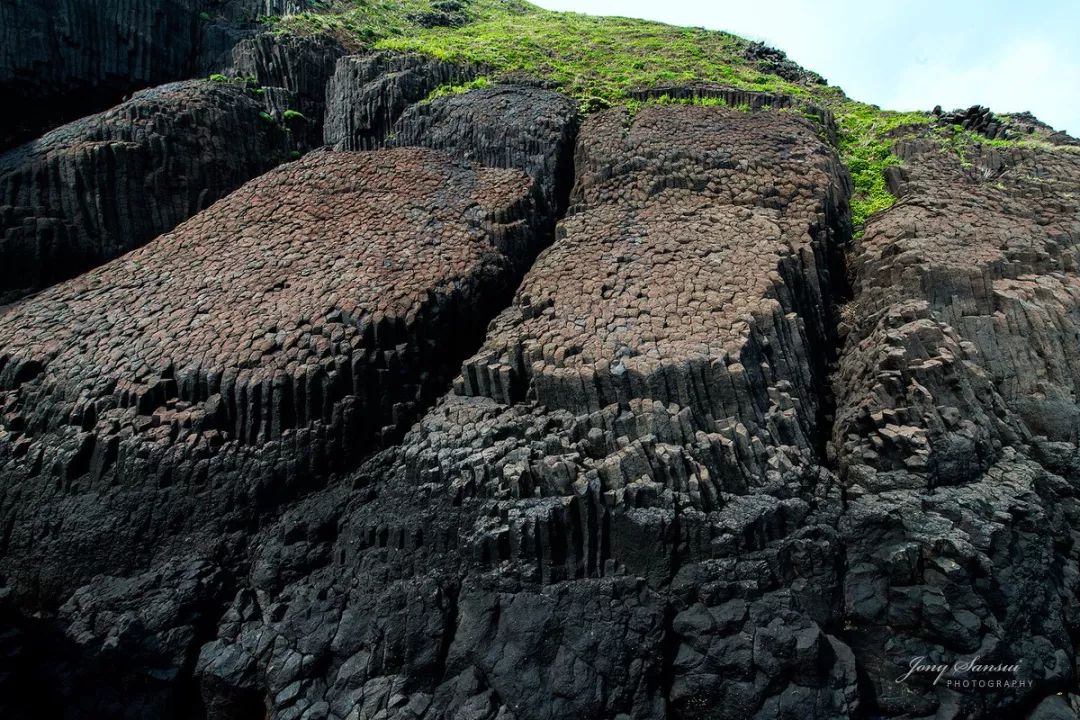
(218, 77)
(291, 115)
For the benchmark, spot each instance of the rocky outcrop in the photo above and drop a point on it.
(611, 547)
(239, 360)
(96, 188)
(740, 99)
(957, 428)
(508, 126)
(64, 59)
(298, 69)
(368, 93)
(776, 62)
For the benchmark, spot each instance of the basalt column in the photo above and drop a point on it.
(622, 510)
(957, 428)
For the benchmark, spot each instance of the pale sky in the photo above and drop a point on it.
(909, 55)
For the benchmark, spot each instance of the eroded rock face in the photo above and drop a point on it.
(64, 59)
(606, 548)
(957, 427)
(368, 93)
(508, 126)
(238, 360)
(98, 187)
(299, 66)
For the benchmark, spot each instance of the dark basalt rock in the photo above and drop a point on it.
(776, 62)
(65, 59)
(957, 428)
(507, 126)
(98, 187)
(977, 119)
(368, 93)
(236, 362)
(301, 66)
(742, 99)
(579, 555)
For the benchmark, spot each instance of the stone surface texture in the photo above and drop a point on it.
(98, 187)
(368, 93)
(492, 411)
(598, 549)
(242, 358)
(956, 430)
(68, 58)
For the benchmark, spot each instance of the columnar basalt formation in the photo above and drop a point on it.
(301, 66)
(957, 426)
(603, 548)
(368, 93)
(495, 411)
(508, 126)
(741, 99)
(67, 58)
(239, 359)
(98, 187)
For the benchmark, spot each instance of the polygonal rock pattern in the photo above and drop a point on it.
(957, 424)
(264, 343)
(686, 273)
(368, 93)
(98, 187)
(542, 555)
(508, 126)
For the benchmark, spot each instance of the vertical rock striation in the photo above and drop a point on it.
(98, 187)
(957, 427)
(508, 126)
(647, 547)
(228, 365)
(64, 59)
(368, 93)
(298, 68)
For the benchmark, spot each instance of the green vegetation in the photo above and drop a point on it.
(443, 90)
(866, 138)
(266, 117)
(361, 23)
(600, 60)
(290, 115)
(218, 77)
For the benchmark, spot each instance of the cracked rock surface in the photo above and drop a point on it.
(67, 58)
(627, 555)
(956, 427)
(492, 412)
(238, 360)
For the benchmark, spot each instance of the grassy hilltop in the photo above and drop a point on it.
(599, 60)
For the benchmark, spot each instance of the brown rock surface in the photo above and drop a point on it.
(694, 526)
(98, 187)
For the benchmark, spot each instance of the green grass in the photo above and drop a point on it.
(867, 134)
(443, 90)
(361, 23)
(600, 60)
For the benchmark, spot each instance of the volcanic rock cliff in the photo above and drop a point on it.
(682, 400)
